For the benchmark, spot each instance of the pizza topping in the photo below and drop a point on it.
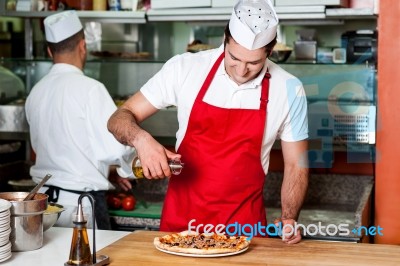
(202, 241)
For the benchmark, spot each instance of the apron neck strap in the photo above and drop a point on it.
(265, 91)
(210, 77)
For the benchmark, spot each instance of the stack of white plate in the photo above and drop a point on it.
(5, 230)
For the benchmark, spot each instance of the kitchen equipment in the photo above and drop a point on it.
(324, 55)
(13, 118)
(339, 55)
(26, 220)
(51, 215)
(5, 230)
(280, 56)
(175, 165)
(85, 5)
(36, 189)
(80, 249)
(100, 5)
(305, 48)
(342, 122)
(341, 125)
(361, 46)
(114, 5)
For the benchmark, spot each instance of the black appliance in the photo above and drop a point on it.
(361, 46)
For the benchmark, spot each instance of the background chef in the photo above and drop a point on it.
(233, 103)
(67, 113)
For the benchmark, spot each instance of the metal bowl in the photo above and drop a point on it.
(280, 56)
(51, 215)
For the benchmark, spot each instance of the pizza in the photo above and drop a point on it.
(201, 244)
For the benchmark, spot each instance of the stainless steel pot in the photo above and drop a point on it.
(26, 220)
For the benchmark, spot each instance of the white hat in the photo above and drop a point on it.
(253, 23)
(61, 26)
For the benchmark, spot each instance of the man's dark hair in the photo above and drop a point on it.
(228, 37)
(66, 45)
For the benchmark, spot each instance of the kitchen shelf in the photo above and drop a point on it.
(285, 13)
(190, 14)
(350, 13)
(90, 59)
(152, 60)
(204, 14)
(224, 13)
(137, 17)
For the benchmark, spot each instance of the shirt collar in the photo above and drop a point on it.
(62, 67)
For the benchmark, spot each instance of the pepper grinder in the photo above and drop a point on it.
(80, 248)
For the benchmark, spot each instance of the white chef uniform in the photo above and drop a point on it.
(68, 113)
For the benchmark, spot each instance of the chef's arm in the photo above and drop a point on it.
(295, 178)
(294, 188)
(123, 124)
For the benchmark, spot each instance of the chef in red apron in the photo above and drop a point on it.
(222, 148)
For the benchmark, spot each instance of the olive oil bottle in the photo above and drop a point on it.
(176, 167)
(80, 250)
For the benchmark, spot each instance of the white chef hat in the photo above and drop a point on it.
(253, 23)
(61, 26)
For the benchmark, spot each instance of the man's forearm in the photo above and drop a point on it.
(293, 191)
(122, 124)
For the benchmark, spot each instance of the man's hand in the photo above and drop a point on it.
(289, 235)
(118, 181)
(153, 156)
(124, 183)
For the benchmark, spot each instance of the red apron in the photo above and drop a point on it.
(222, 181)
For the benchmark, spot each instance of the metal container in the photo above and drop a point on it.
(13, 119)
(305, 50)
(51, 216)
(26, 220)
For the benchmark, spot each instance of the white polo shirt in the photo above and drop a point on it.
(180, 79)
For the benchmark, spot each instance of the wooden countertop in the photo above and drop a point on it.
(137, 249)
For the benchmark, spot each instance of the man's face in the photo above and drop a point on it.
(242, 64)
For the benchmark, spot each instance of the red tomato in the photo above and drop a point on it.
(128, 203)
(114, 202)
(131, 196)
(121, 195)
